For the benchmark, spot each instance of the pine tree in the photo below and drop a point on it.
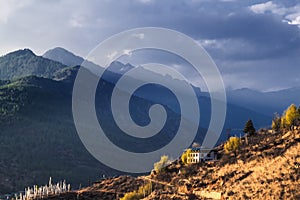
(249, 128)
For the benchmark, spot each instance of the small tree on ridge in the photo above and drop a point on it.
(249, 128)
(232, 145)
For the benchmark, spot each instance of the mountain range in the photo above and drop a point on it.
(245, 97)
(277, 101)
(37, 128)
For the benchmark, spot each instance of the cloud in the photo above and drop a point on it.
(268, 7)
(140, 36)
(76, 22)
(127, 52)
(262, 74)
(252, 37)
(112, 56)
(145, 1)
(291, 15)
(9, 8)
(243, 37)
(295, 21)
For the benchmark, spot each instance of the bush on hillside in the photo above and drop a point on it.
(141, 193)
(290, 117)
(185, 155)
(276, 122)
(232, 145)
(160, 165)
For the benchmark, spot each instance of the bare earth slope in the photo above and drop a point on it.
(265, 168)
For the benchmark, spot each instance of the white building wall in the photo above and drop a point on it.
(196, 157)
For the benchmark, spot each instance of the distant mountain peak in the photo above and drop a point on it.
(63, 56)
(24, 62)
(245, 91)
(21, 52)
(59, 50)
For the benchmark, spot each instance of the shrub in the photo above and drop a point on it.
(232, 145)
(141, 193)
(185, 155)
(276, 122)
(160, 165)
(145, 189)
(290, 117)
(131, 196)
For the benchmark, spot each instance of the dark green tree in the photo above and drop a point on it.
(249, 128)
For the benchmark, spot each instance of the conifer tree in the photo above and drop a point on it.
(249, 128)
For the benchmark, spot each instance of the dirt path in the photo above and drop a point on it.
(156, 181)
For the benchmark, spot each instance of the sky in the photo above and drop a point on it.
(255, 44)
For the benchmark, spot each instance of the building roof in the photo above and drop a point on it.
(200, 149)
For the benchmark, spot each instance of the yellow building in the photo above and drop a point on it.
(199, 154)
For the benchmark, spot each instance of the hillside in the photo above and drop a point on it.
(268, 167)
(24, 62)
(37, 131)
(36, 112)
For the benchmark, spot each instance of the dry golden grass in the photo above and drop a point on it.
(270, 177)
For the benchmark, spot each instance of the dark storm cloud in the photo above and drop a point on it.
(260, 36)
(241, 36)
